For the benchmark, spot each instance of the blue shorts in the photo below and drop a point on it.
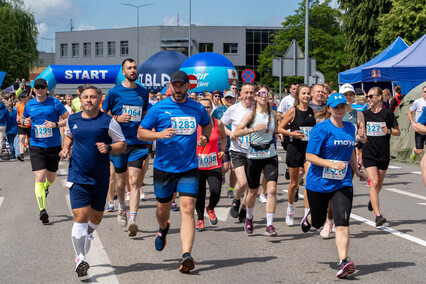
(166, 184)
(82, 195)
(133, 157)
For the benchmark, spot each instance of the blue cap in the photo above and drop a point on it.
(336, 99)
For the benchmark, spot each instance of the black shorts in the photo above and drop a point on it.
(23, 131)
(254, 167)
(381, 165)
(227, 157)
(296, 155)
(44, 158)
(420, 140)
(341, 206)
(238, 159)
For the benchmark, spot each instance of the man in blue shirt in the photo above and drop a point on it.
(128, 103)
(94, 134)
(43, 114)
(173, 123)
(420, 127)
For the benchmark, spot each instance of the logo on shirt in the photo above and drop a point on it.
(344, 143)
(168, 112)
(75, 127)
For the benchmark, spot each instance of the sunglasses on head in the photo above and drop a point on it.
(40, 87)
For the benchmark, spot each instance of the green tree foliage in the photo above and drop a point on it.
(18, 41)
(361, 25)
(406, 19)
(326, 42)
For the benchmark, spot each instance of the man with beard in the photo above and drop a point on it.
(94, 134)
(128, 103)
(173, 123)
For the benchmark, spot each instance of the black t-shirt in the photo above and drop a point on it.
(377, 146)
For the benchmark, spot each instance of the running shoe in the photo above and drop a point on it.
(122, 218)
(325, 232)
(242, 216)
(174, 207)
(413, 156)
(249, 226)
(289, 219)
(44, 217)
(270, 231)
(110, 207)
(212, 216)
(161, 238)
(296, 196)
(81, 267)
(287, 174)
(380, 220)
(20, 157)
(262, 198)
(133, 229)
(200, 226)
(370, 207)
(87, 244)
(230, 194)
(187, 264)
(235, 208)
(304, 224)
(346, 268)
(302, 181)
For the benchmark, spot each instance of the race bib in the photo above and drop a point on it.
(184, 125)
(207, 160)
(307, 131)
(375, 128)
(134, 111)
(259, 154)
(335, 174)
(41, 131)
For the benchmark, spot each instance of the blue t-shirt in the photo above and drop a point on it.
(132, 101)
(4, 117)
(177, 154)
(13, 129)
(422, 118)
(330, 142)
(50, 109)
(88, 165)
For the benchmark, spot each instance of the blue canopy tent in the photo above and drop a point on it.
(407, 68)
(354, 75)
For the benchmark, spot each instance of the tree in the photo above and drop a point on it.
(406, 19)
(326, 42)
(18, 41)
(361, 25)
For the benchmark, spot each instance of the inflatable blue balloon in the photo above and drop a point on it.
(213, 71)
(157, 70)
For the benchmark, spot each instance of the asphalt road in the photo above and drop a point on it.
(34, 253)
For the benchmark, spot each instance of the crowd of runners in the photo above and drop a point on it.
(196, 139)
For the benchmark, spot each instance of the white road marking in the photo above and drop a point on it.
(421, 203)
(1, 200)
(417, 173)
(62, 172)
(393, 167)
(405, 193)
(100, 265)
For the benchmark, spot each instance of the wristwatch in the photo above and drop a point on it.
(57, 125)
(109, 148)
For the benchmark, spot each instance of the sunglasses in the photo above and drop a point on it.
(370, 96)
(40, 87)
(217, 96)
(262, 94)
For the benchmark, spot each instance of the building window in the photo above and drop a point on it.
(64, 49)
(75, 50)
(99, 46)
(206, 47)
(111, 48)
(124, 47)
(87, 46)
(230, 48)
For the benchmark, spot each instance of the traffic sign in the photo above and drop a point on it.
(193, 82)
(248, 76)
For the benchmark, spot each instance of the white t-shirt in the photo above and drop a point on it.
(233, 115)
(69, 109)
(418, 106)
(286, 104)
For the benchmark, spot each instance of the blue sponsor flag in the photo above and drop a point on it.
(2, 75)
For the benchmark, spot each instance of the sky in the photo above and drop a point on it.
(54, 15)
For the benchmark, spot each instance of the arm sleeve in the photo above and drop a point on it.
(115, 132)
(68, 130)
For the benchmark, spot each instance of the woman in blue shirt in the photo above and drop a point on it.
(330, 151)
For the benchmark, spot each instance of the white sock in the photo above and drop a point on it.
(122, 205)
(291, 206)
(306, 211)
(91, 228)
(79, 236)
(250, 213)
(269, 219)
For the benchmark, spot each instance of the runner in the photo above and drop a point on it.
(13, 129)
(330, 149)
(23, 131)
(175, 121)
(43, 113)
(4, 125)
(260, 125)
(301, 119)
(76, 104)
(128, 103)
(420, 127)
(239, 146)
(210, 164)
(94, 134)
(381, 124)
(417, 107)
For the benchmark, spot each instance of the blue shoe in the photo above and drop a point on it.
(110, 207)
(175, 207)
(161, 238)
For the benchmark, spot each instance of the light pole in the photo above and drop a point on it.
(307, 43)
(51, 47)
(137, 13)
(189, 40)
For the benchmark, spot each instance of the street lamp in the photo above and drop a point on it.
(189, 36)
(51, 47)
(137, 9)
